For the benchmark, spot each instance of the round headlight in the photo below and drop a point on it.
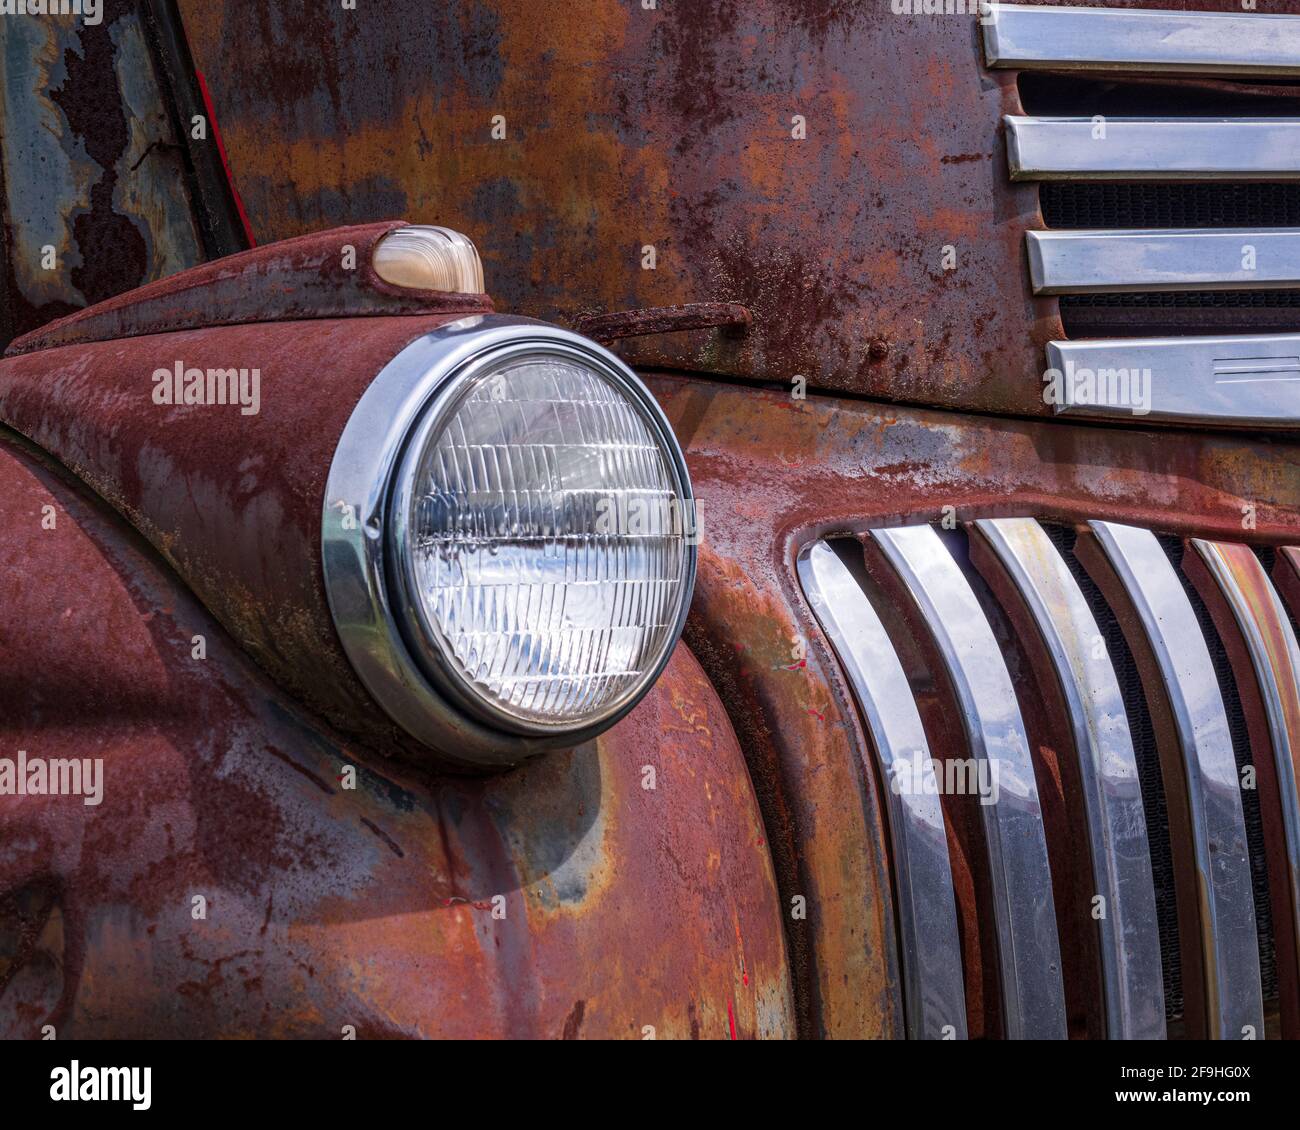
(530, 555)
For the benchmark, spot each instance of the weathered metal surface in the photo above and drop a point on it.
(218, 212)
(728, 317)
(232, 500)
(94, 195)
(377, 907)
(837, 168)
(324, 275)
(673, 129)
(771, 474)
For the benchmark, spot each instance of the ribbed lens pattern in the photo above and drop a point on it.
(546, 542)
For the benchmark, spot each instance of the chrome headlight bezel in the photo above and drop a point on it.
(366, 582)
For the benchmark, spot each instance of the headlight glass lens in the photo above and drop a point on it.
(544, 546)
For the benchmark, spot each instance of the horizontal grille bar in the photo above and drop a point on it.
(933, 997)
(1084, 262)
(1134, 149)
(1242, 379)
(1114, 39)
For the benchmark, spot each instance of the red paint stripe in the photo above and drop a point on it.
(225, 163)
(731, 1019)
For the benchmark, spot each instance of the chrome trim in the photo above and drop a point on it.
(1110, 260)
(933, 993)
(1153, 148)
(358, 570)
(1226, 895)
(1028, 950)
(1275, 657)
(1108, 774)
(1240, 379)
(1113, 39)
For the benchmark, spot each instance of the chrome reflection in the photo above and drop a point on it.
(1108, 260)
(1225, 894)
(1237, 379)
(933, 996)
(1113, 39)
(1237, 149)
(1025, 916)
(1108, 774)
(1275, 658)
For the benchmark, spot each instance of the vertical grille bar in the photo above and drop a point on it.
(933, 997)
(1028, 947)
(1107, 772)
(1269, 641)
(1233, 1003)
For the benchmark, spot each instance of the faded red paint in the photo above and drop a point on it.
(328, 907)
(233, 502)
(304, 278)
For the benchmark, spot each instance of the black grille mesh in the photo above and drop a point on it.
(1169, 314)
(1049, 93)
(1097, 204)
(1190, 299)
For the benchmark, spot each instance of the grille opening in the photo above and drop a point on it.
(1145, 204)
(1174, 550)
(1061, 94)
(1174, 313)
(1148, 763)
(931, 693)
(1114, 205)
(1106, 205)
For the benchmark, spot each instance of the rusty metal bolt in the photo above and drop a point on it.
(878, 350)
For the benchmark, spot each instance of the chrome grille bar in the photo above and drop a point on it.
(1111, 260)
(1028, 948)
(1114, 39)
(1241, 379)
(933, 995)
(1108, 773)
(1275, 659)
(1218, 833)
(1237, 149)
(1290, 555)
